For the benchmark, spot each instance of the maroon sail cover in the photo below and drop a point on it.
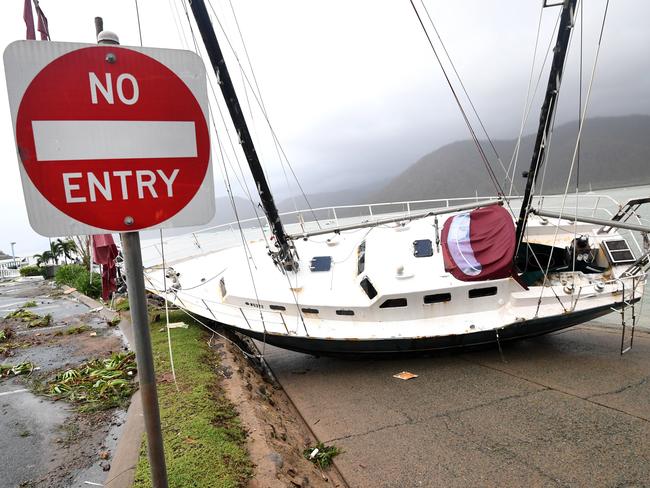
(479, 245)
(105, 252)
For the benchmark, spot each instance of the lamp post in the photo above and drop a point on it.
(13, 254)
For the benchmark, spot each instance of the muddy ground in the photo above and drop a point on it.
(277, 434)
(47, 443)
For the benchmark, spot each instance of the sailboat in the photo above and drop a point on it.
(478, 272)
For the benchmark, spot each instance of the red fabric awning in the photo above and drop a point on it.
(479, 245)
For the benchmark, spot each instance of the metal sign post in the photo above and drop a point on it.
(113, 139)
(144, 356)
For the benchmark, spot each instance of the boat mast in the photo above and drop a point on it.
(548, 107)
(285, 256)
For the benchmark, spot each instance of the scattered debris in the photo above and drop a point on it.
(69, 290)
(7, 370)
(114, 321)
(321, 455)
(177, 325)
(97, 385)
(6, 334)
(74, 330)
(30, 318)
(96, 309)
(405, 375)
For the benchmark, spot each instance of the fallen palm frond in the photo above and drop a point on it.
(7, 370)
(29, 304)
(6, 334)
(98, 384)
(80, 329)
(321, 455)
(30, 318)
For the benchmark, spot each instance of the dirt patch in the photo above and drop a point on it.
(81, 443)
(276, 434)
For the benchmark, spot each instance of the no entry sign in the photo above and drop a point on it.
(110, 138)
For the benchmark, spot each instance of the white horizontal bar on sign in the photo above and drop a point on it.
(74, 140)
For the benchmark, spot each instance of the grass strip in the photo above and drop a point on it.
(203, 438)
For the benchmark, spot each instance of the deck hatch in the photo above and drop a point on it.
(321, 263)
(618, 252)
(394, 303)
(437, 298)
(422, 248)
(488, 291)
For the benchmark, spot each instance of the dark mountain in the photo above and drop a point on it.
(615, 151)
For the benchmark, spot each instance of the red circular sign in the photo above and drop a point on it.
(85, 128)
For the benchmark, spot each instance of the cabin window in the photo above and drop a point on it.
(368, 288)
(437, 298)
(309, 310)
(483, 292)
(394, 303)
(422, 248)
(277, 307)
(345, 312)
(361, 257)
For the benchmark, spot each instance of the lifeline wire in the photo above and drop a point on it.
(169, 336)
(577, 145)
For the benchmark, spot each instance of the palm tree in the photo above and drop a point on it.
(68, 248)
(56, 251)
(43, 258)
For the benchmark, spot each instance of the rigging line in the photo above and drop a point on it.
(259, 93)
(243, 186)
(224, 173)
(545, 154)
(491, 174)
(169, 335)
(247, 354)
(471, 103)
(197, 50)
(530, 98)
(226, 179)
(528, 95)
(248, 264)
(179, 31)
(575, 221)
(137, 14)
(264, 111)
(582, 120)
(258, 98)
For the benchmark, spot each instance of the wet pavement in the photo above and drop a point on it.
(561, 410)
(38, 433)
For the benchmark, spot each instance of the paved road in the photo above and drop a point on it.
(562, 410)
(31, 427)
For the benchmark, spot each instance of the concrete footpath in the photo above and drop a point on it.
(562, 410)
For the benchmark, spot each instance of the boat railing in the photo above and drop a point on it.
(226, 235)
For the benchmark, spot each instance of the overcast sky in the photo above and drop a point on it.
(351, 87)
